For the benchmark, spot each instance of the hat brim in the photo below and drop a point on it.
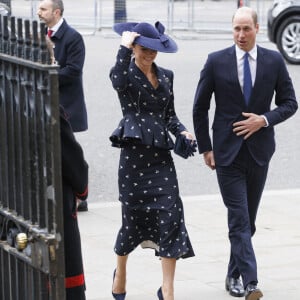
(119, 28)
(169, 46)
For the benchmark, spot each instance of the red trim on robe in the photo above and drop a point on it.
(74, 281)
(82, 195)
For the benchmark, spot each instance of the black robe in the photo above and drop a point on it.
(75, 185)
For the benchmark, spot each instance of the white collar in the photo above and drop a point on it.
(240, 53)
(57, 25)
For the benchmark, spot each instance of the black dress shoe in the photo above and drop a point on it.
(252, 292)
(82, 205)
(234, 287)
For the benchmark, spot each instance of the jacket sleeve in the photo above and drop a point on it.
(285, 98)
(74, 166)
(201, 107)
(75, 55)
(119, 73)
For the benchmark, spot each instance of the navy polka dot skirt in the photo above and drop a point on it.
(152, 210)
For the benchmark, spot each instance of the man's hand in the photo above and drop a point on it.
(209, 159)
(247, 127)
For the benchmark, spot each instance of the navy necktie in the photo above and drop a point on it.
(247, 79)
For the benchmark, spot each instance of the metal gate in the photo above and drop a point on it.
(31, 219)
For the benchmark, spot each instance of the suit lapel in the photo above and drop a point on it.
(61, 30)
(258, 77)
(233, 69)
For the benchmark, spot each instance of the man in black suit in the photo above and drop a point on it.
(69, 54)
(243, 135)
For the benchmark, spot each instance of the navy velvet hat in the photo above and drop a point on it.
(150, 37)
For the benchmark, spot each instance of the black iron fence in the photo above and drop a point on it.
(31, 223)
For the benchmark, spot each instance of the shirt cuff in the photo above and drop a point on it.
(266, 120)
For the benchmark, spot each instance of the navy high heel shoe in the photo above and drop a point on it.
(159, 294)
(117, 296)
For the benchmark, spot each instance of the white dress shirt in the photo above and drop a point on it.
(240, 64)
(56, 26)
(252, 63)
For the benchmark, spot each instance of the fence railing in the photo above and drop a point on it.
(31, 222)
(91, 16)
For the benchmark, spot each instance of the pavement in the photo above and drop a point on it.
(276, 243)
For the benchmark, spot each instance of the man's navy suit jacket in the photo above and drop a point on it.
(69, 52)
(219, 76)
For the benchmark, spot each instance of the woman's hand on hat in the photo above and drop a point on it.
(128, 38)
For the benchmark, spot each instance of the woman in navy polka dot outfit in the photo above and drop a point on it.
(152, 211)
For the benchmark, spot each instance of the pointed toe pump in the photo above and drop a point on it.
(159, 294)
(117, 296)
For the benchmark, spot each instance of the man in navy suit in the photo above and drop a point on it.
(243, 136)
(69, 54)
